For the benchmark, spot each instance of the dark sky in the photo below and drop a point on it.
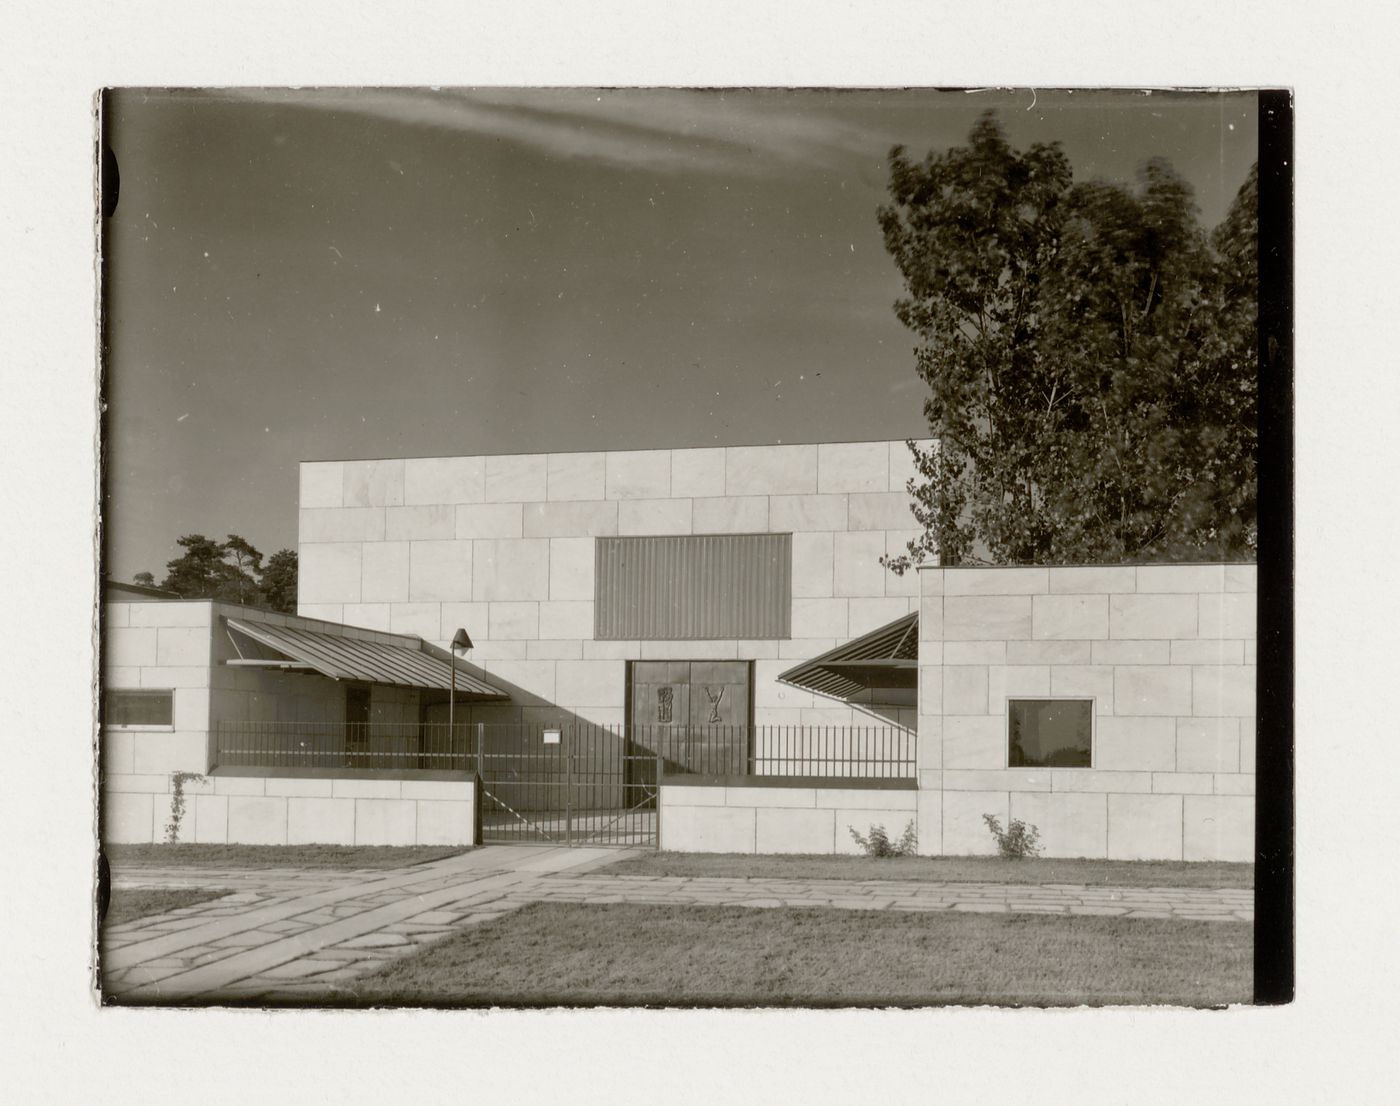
(341, 274)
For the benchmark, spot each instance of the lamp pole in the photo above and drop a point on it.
(460, 640)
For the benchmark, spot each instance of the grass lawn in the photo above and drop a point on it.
(130, 903)
(275, 856)
(940, 869)
(573, 954)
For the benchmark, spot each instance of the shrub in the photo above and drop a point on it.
(1017, 841)
(879, 843)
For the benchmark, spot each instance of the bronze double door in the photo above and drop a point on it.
(694, 714)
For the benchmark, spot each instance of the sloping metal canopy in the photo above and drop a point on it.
(347, 658)
(857, 671)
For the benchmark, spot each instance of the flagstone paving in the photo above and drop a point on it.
(303, 934)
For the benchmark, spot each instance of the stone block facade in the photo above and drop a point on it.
(154, 646)
(1165, 653)
(181, 647)
(504, 547)
(780, 819)
(239, 810)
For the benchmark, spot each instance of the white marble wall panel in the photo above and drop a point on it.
(444, 480)
(732, 515)
(697, 473)
(771, 470)
(373, 483)
(854, 467)
(576, 476)
(322, 484)
(639, 474)
(516, 479)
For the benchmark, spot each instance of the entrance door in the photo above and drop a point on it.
(357, 726)
(694, 713)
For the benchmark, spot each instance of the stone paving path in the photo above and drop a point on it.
(304, 934)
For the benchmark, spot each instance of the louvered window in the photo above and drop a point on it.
(693, 587)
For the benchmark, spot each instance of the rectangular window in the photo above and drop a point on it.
(1050, 733)
(139, 708)
(693, 587)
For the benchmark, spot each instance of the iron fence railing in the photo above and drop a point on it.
(638, 753)
(835, 751)
(381, 745)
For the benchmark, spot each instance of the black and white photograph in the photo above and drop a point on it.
(685, 554)
(665, 547)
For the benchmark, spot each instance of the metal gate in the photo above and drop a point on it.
(575, 784)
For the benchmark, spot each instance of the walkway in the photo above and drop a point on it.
(301, 935)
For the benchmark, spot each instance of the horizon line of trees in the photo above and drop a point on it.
(231, 571)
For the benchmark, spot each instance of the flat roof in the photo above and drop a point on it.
(1094, 564)
(616, 449)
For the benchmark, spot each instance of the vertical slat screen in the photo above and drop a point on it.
(694, 587)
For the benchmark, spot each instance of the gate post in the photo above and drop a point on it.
(480, 803)
(660, 764)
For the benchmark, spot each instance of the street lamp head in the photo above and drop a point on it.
(460, 640)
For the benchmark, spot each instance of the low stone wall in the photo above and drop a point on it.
(719, 818)
(301, 810)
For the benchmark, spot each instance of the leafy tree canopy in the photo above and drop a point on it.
(231, 571)
(1091, 358)
(279, 581)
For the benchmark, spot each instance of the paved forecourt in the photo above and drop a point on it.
(289, 934)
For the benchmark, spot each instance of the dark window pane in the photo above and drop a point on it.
(139, 708)
(694, 587)
(1050, 733)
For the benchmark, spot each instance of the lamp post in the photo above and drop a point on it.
(460, 640)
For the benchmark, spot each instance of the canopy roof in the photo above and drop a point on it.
(347, 658)
(883, 659)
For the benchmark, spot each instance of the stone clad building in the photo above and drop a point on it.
(508, 547)
(561, 567)
(696, 648)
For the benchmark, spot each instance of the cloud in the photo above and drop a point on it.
(667, 130)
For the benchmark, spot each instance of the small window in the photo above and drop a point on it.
(139, 708)
(1050, 733)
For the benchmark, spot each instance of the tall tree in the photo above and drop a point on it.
(1087, 352)
(246, 563)
(279, 581)
(200, 572)
(207, 569)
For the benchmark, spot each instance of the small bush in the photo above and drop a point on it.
(879, 843)
(1016, 842)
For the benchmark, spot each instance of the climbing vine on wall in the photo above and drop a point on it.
(177, 803)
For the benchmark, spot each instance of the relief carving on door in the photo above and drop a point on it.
(715, 696)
